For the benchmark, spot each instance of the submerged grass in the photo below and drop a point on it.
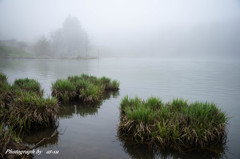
(176, 124)
(85, 88)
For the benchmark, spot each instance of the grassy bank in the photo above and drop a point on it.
(84, 88)
(177, 124)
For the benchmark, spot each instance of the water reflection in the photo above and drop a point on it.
(44, 138)
(49, 137)
(68, 110)
(146, 151)
(91, 134)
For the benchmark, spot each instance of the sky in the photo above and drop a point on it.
(127, 25)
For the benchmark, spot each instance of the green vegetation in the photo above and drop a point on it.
(29, 85)
(3, 78)
(9, 51)
(176, 124)
(23, 108)
(85, 88)
(22, 105)
(31, 111)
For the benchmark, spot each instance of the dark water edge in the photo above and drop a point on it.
(91, 132)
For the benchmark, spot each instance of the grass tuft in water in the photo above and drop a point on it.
(23, 108)
(176, 124)
(64, 90)
(29, 85)
(30, 111)
(85, 88)
(3, 78)
(22, 105)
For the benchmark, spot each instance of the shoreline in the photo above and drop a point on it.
(52, 58)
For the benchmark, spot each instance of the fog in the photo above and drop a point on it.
(134, 28)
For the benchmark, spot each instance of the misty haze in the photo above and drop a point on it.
(82, 59)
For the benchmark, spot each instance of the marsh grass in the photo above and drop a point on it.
(64, 90)
(30, 85)
(23, 109)
(84, 88)
(7, 94)
(23, 106)
(3, 78)
(30, 111)
(177, 124)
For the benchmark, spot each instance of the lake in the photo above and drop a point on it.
(91, 131)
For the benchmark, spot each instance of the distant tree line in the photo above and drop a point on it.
(69, 40)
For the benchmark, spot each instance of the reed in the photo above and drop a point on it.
(7, 94)
(29, 111)
(84, 88)
(30, 85)
(22, 109)
(63, 90)
(3, 78)
(22, 105)
(176, 124)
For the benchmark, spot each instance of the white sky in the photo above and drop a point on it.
(128, 24)
(27, 19)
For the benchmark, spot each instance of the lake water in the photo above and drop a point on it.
(91, 132)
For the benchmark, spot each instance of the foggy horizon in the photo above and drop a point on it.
(132, 28)
(122, 79)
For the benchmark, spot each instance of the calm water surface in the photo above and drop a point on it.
(91, 132)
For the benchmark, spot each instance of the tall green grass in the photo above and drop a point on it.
(23, 108)
(30, 85)
(176, 124)
(3, 78)
(22, 105)
(64, 90)
(85, 88)
(30, 111)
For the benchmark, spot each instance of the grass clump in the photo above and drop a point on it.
(7, 94)
(176, 124)
(64, 90)
(28, 85)
(22, 105)
(85, 88)
(30, 111)
(91, 93)
(3, 78)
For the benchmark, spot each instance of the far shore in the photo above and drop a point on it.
(48, 57)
